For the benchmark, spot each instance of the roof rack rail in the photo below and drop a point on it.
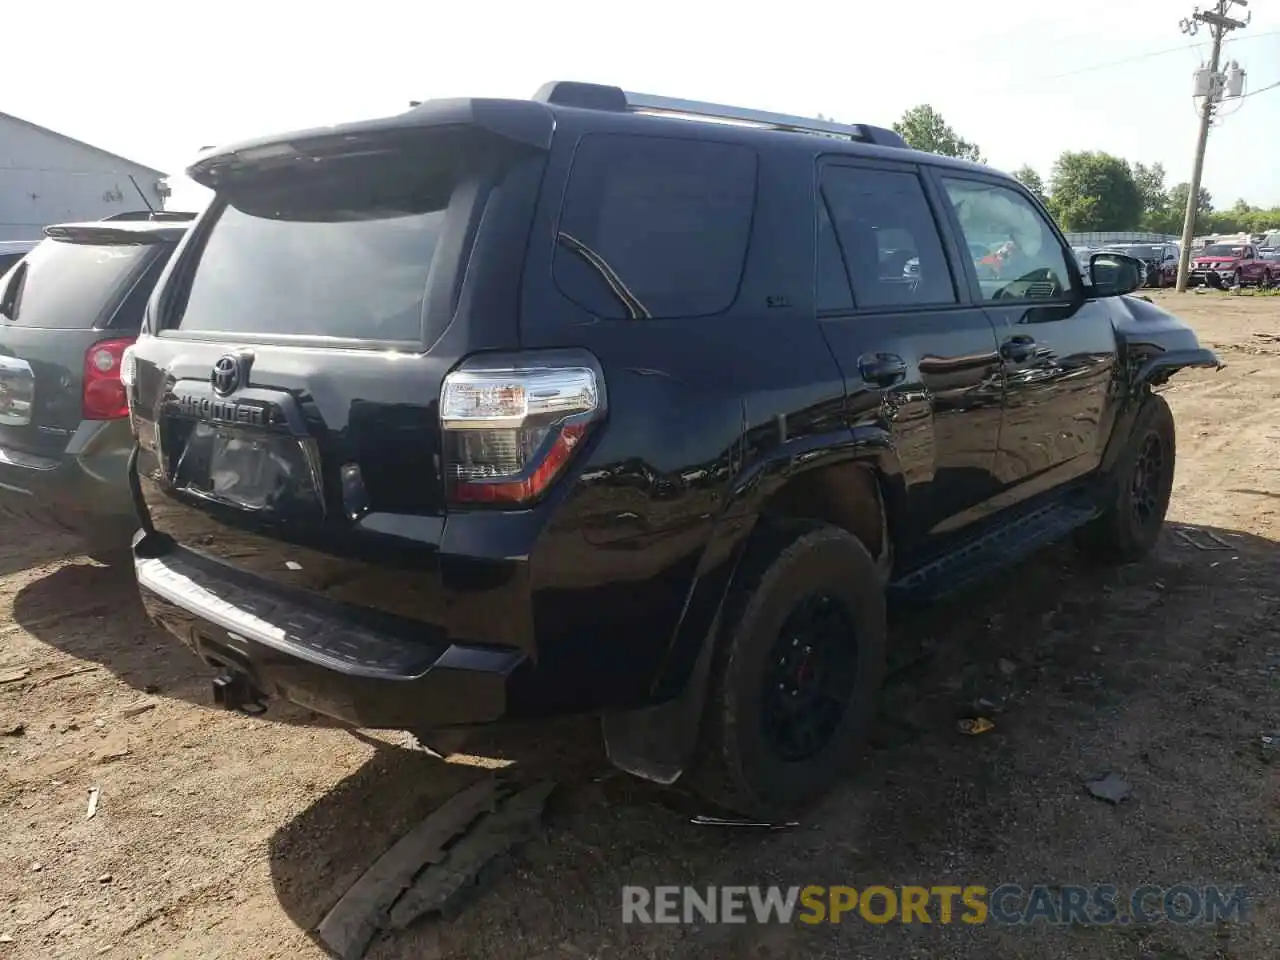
(592, 96)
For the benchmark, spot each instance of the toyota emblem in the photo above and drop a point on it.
(226, 375)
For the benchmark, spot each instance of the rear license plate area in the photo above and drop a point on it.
(240, 467)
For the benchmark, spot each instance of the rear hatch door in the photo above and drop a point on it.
(287, 401)
(85, 286)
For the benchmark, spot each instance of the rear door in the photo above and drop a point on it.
(69, 295)
(1253, 267)
(288, 391)
(917, 354)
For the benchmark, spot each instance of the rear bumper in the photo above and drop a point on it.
(85, 491)
(323, 655)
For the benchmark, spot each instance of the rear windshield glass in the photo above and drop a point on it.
(654, 226)
(317, 264)
(71, 285)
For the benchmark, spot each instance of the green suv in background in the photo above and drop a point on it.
(68, 310)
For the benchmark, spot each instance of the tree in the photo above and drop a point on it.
(1155, 199)
(924, 129)
(1031, 180)
(1178, 207)
(1095, 191)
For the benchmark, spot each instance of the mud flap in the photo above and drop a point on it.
(656, 742)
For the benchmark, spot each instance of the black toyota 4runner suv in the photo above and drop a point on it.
(500, 409)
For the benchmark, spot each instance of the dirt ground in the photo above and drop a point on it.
(221, 835)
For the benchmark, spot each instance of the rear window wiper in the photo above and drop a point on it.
(635, 309)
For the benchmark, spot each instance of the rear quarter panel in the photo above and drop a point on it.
(632, 568)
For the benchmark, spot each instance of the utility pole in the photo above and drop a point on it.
(1219, 25)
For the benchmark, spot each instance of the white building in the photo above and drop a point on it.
(46, 178)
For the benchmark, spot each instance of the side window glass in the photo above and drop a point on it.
(129, 315)
(888, 238)
(833, 281)
(1024, 260)
(655, 226)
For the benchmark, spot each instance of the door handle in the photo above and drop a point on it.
(882, 369)
(1018, 349)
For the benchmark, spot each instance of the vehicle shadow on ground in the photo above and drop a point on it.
(1056, 653)
(25, 545)
(92, 611)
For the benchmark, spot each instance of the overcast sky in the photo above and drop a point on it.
(156, 81)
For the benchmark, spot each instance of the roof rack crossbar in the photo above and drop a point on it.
(648, 103)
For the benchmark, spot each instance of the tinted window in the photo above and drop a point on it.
(71, 285)
(1026, 261)
(316, 265)
(7, 260)
(128, 316)
(833, 291)
(888, 237)
(1222, 250)
(655, 226)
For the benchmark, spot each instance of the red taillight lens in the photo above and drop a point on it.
(509, 430)
(104, 396)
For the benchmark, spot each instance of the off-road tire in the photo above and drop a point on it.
(1118, 536)
(736, 766)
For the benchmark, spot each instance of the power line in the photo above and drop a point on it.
(1254, 93)
(1139, 57)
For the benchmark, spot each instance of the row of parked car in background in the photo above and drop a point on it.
(588, 403)
(1220, 264)
(69, 307)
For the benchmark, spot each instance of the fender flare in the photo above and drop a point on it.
(1148, 370)
(657, 741)
(1155, 369)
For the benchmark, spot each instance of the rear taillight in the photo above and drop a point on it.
(510, 428)
(104, 396)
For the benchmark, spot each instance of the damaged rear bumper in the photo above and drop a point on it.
(322, 655)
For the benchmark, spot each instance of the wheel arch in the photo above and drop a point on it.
(849, 481)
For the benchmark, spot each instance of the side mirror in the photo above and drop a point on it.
(1114, 274)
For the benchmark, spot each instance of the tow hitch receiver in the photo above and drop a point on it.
(234, 691)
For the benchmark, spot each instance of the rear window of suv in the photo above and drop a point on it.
(655, 226)
(312, 264)
(69, 285)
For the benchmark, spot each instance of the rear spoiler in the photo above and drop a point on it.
(523, 122)
(150, 215)
(102, 233)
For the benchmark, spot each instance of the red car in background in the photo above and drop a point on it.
(1232, 265)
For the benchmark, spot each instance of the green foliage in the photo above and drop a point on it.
(1095, 191)
(1031, 180)
(924, 129)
